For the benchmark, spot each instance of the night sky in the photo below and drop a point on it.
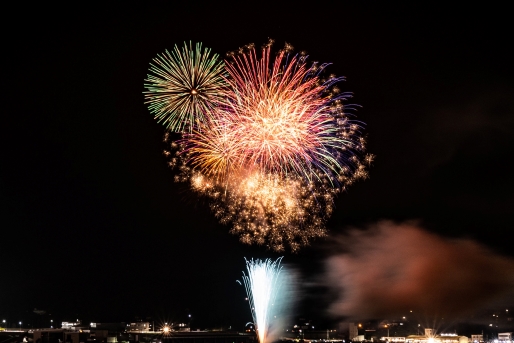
(94, 226)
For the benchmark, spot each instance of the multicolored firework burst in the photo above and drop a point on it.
(278, 146)
(280, 116)
(184, 86)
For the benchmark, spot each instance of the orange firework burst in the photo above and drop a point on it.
(268, 209)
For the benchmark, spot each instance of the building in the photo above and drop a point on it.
(353, 331)
(393, 339)
(74, 336)
(71, 325)
(505, 336)
(442, 338)
(193, 337)
(139, 327)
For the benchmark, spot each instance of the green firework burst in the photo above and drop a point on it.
(183, 86)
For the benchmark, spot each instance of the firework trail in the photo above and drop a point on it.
(262, 287)
(183, 86)
(273, 149)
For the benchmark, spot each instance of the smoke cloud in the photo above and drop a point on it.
(391, 269)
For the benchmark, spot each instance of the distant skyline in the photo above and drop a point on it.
(489, 324)
(94, 226)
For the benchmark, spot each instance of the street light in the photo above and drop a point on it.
(20, 325)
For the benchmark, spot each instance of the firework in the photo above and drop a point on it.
(183, 86)
(269, 210)
(278, 146)
(278, 117)
(262, 287)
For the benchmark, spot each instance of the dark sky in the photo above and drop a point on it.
(93, 225)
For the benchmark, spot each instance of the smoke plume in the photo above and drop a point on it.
(391, 269)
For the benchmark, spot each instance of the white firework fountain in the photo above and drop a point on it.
(262, 287)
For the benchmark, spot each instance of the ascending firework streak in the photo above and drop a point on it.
(271, 144)
(262, 287)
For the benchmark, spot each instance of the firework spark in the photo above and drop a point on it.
(262, 287)
(184, 86)
(277, 147)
